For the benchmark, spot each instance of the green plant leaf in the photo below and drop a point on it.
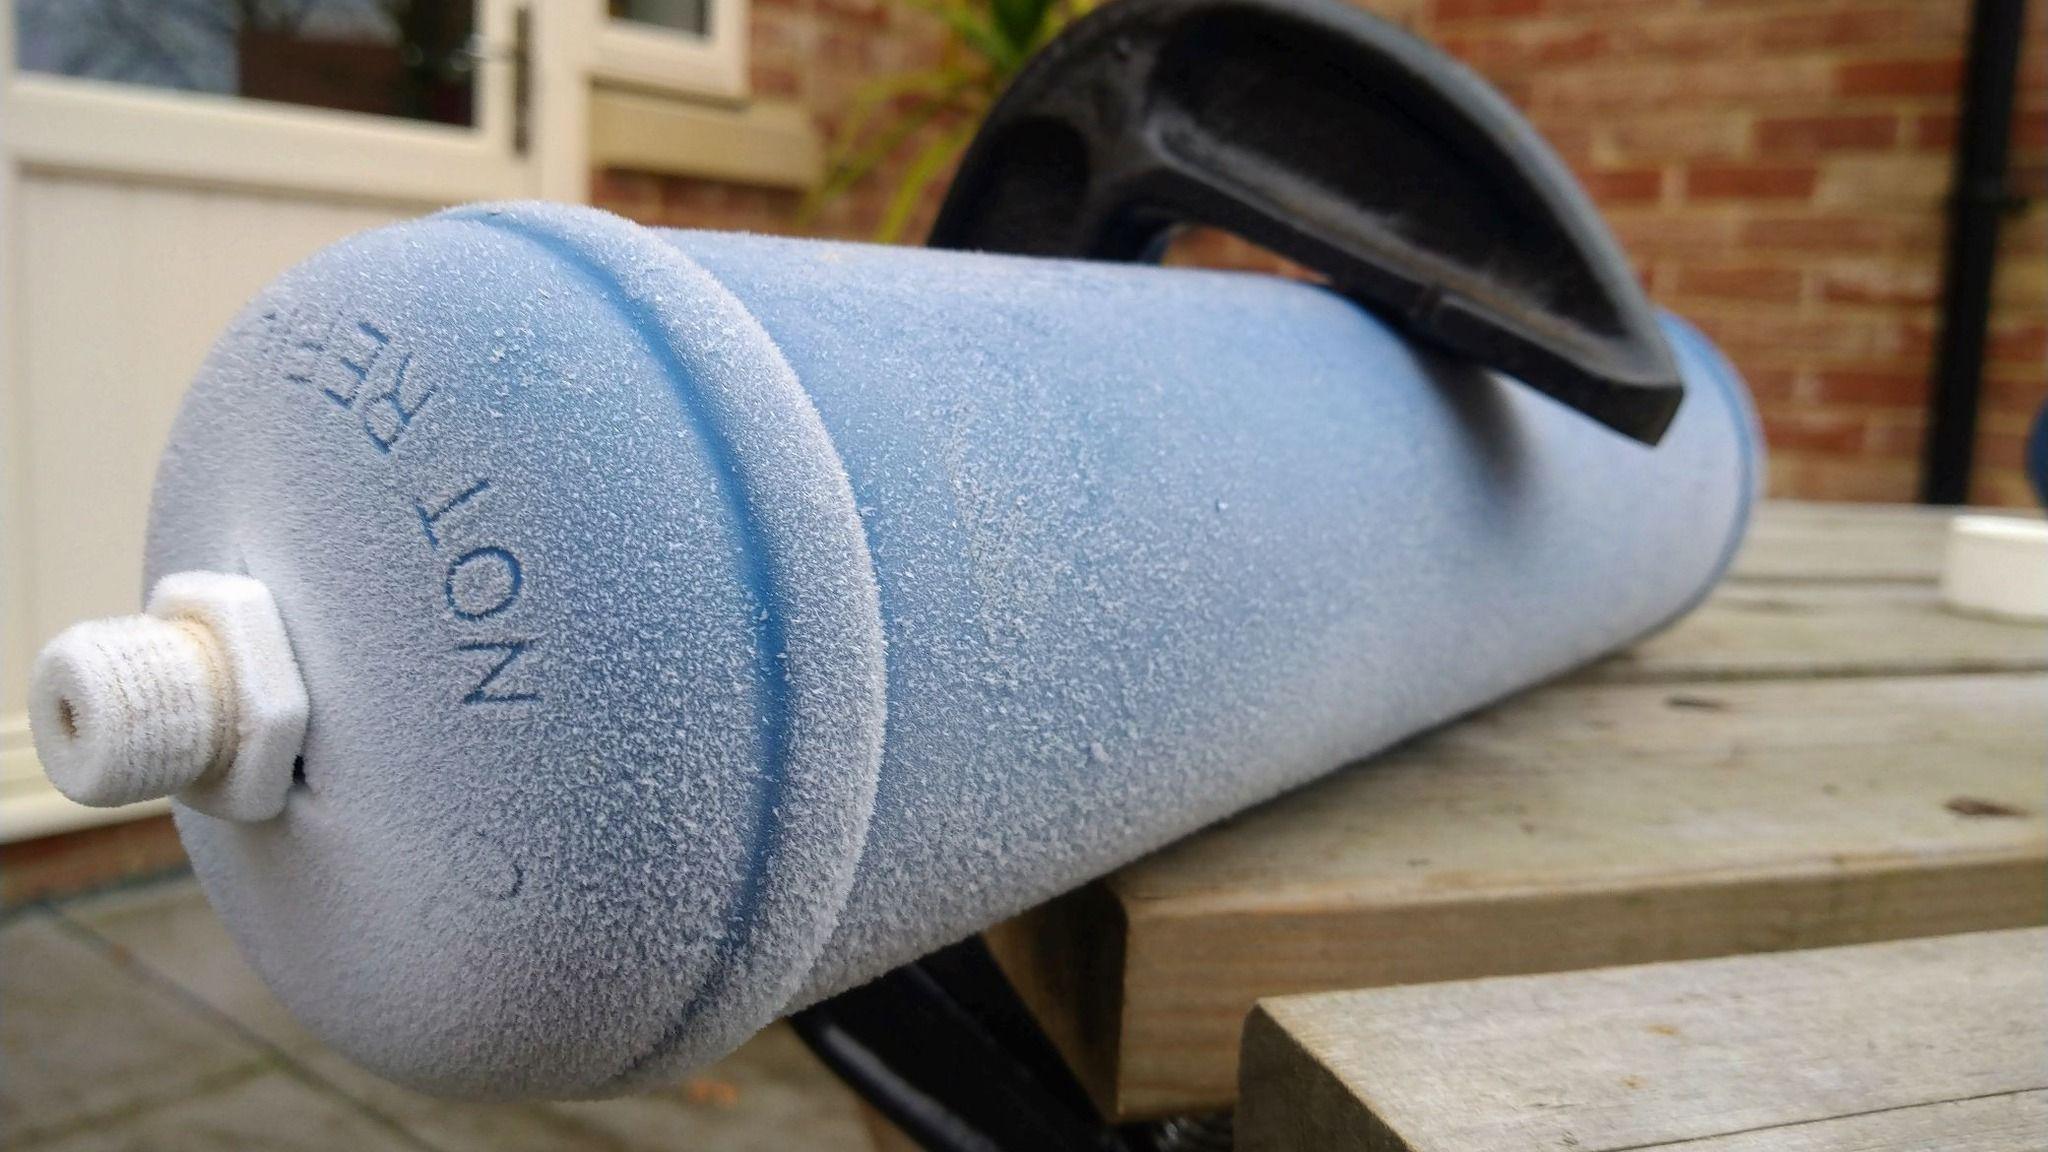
(987, 42)
(975, 30)
(929, 163)
(936, 84)
(1020, 21)
(857, 163)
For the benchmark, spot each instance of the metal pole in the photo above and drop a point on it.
(1977, 201)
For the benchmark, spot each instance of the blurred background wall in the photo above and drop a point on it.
(1777, 168)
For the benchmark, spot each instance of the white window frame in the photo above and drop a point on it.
(629, 54)
(63, 122)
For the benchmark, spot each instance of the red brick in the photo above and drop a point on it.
(1485, 9)
(2002, 488)
(1905, 76)
(1694, 85)
(2034, 58)
(1602, 8)
(1518, 90)
(1508, 49)
(2030, 133)
(1760, 282)
(1852, 235)
(1884, 283)
(2001, 449)
(1609, 185)
(1782, 335)
(1570, 47)
(1655, 233)
(1684, 38)
(2007, 341)
(871, 13)
(780, 83)
(1750, 181)
(1874, 388)
(2011, 343)
(1203, 247)
(1771, 385)
(1864, 26)
(681, 194)
(2014, 389)
(630, 194)
(1803, 430)
(778, 36)
(848, 49)
(2025, 233)
(1835, 477)
(1779, 135)
(1684, 135)
(1886, 183)
(1934, 131)
(1899, 435)
(1485, 52)
(2016, 423)
(1918, 336)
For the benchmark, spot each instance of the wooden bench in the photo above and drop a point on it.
(1899, 1047)
(1820, 755)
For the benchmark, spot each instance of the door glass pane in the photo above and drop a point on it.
(693, 16)
(405, 58)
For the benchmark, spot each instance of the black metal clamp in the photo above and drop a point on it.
(1337, 140)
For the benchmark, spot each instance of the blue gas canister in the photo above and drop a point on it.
(688, 626)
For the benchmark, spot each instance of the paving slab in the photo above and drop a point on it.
(84, 1038)
(272, 1111)
(168, 928)
(771, 1094)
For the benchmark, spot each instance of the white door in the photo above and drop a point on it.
(161, 160)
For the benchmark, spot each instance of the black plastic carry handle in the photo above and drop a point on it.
(1341, 142)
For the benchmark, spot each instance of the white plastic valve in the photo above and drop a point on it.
(198, 698)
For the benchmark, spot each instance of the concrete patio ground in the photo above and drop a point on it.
(129, 1021)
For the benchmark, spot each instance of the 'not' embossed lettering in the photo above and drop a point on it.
(482, 582)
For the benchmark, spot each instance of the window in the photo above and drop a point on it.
(690, 48)
(410, 59)
(691, 16)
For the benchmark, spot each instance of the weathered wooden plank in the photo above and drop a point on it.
(1574, 827)
(1947, 1036)
(1797, 540)
(1756, 630)
(2009, 1122)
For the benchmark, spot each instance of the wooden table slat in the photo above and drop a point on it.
(1749, 631)
(1947, 1039)
(1569, 828)
(1794, 540)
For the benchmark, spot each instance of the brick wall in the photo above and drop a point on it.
(1776, 168)
(819, 53)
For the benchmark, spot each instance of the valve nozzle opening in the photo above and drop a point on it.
(199, 698)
